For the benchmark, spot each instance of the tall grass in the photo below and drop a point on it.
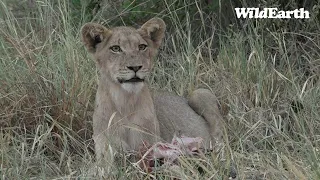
(47, 83)
(269, 78)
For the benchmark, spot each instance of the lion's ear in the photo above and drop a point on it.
(93, 34)
(154, 29)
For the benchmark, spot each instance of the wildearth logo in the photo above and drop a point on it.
(271, 13)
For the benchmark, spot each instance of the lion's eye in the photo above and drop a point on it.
(116, 48)
(142, 47)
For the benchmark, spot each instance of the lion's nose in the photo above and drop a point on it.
(134, 68)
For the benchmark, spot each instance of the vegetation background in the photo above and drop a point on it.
(265, 70)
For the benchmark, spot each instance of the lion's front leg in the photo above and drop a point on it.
(143, 130)
(109, 140)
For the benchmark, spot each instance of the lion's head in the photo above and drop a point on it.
(124, 54)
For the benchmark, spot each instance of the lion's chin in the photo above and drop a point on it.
(132, 87)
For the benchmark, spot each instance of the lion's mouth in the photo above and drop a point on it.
(132, 80)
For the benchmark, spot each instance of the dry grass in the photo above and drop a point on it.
(48, 82)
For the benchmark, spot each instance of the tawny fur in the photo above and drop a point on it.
(127, 113)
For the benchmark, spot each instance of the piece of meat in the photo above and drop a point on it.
(167, 153)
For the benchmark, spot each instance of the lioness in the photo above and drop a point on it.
(126, 113)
